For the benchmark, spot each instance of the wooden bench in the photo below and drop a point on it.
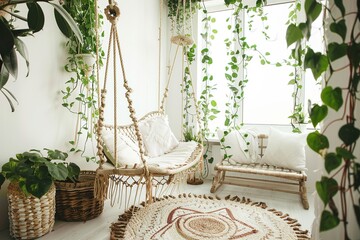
(295, 180)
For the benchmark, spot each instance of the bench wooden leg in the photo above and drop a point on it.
(303, 195)
(217, 180)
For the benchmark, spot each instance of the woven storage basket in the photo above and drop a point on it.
(75, 201)
(30, 217)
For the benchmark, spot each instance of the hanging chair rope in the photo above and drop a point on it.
(112, 13)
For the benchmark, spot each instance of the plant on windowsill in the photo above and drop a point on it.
(340, 65)
(31, 192)
(10, 40)
(80, 93)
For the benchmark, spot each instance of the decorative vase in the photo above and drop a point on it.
(30, 217)
(75, 201)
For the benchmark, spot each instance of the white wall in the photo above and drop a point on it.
(39, 120)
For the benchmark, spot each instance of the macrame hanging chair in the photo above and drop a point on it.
(125, 181)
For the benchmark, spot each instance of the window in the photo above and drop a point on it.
(267, 95)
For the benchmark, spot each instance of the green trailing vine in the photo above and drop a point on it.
(240, 53)
(179, 12)
(298, 114)
(80, 94)
(207, 102)
(337, 188)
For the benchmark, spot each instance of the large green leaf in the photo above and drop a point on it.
(354, 53)
(339, 28)
(328, 221)
(349, 134)
(35, 17)
(57, 171)
(56, 154)
(318, 113)
(356, 210)
(312, 9)
(2, 180)
(21, 48)
(317, 141)
(326, 189)
(74, 172)
(344, 153)
(11, 63)
(317, 62)
(357, 176)
(69, 20)
(38, 187)
(293, 34)
(4, 76)
(332, 161)
(340, 5)
(332, 97)
(62, 24)
(6, 39)
(336, 50)
(9, 169)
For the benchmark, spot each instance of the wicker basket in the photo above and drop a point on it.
(75, 201)
(30, 217)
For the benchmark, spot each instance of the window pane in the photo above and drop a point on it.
(218, 53)
(268, 97)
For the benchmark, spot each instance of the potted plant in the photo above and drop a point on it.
(31, 192)
(11, 43)
(180, 13)
(80, 93)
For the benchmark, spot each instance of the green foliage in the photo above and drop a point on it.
(318, 113)
(80, 93)
(328, 221)
(180, 12)
(327, 189)
(317, 141)
(10, 42)
(340, 96)
(35, 172)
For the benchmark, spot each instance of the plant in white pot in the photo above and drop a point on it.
(31, 192)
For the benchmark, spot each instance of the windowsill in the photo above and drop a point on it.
(262, 128)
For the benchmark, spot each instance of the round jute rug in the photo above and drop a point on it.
(204, 217)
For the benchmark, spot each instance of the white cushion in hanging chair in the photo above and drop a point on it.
(178, 156)
(157, 136)
(127, 150)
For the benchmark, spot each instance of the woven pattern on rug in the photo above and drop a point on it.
(200, 217)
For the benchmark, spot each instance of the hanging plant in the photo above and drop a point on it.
(297, 116)
(80, 94)
(207, 101)
(240, 53)
(179, 13)
(338, 96)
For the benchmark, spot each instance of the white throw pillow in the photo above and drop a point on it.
(238, 147)
(157, 136)
(285, 150)
(127, 150)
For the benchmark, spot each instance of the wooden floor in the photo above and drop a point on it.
(98, 229)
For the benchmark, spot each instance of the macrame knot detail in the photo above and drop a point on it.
(112, 13)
